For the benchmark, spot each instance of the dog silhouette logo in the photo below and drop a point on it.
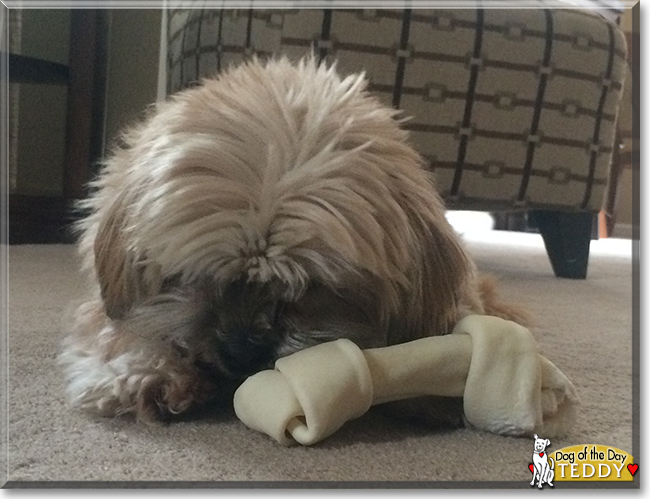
(543, 465)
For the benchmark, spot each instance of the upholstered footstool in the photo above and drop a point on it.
(514, 110)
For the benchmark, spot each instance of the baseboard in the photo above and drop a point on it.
(40, 220)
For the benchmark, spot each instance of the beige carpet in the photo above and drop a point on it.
(584, 327)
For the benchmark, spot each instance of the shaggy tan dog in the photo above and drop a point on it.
(273, 208)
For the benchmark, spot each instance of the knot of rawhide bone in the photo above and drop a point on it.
(309, 395)
(507, 387)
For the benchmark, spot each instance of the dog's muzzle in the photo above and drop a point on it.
(246, 352)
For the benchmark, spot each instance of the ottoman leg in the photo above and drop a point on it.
(567, 237)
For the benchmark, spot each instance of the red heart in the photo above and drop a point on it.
(632, 468)
(541, 454)
(531, 467)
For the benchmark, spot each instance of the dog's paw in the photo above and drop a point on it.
(157, 397)
(92, 381)
(125, 385)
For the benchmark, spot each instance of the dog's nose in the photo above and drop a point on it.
(245, 353)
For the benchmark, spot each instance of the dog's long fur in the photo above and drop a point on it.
(270, 209)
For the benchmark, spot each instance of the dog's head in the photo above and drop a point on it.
(541, 443)
(269, 184)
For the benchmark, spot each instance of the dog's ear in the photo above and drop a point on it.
(535, 436)
(438, 271)
(548, 442)
(119, 278)
(440, 275)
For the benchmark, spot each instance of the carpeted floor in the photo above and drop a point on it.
(584, 327)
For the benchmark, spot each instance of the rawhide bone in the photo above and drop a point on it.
(507, 386)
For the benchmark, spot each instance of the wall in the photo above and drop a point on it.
(132, 81)
(42, 108)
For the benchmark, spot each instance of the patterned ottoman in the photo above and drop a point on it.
(514, 109)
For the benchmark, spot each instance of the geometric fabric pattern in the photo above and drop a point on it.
(511, 108)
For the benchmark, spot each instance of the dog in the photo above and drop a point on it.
(276, 206)
(542, 469)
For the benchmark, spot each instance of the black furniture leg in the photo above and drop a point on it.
(567, 236)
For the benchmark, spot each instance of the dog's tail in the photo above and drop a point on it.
(493, 304)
